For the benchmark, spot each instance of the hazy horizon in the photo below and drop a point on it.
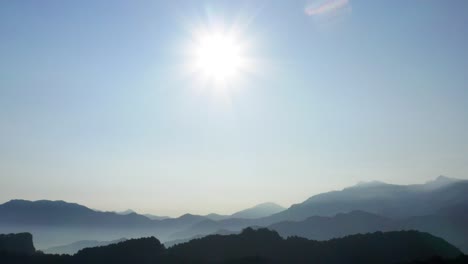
(215, 106)
(197, 211)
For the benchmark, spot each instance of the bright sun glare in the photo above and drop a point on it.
(218, 56)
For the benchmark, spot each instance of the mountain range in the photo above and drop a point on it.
(390, 200)
(59, 223)
(439, 207)
(257, 211)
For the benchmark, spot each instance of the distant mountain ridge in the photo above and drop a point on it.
(44, 212)
(73, 248)
(433, 206)
(156, 217)
(150, 216)
(52, 220)
(390, 200)
(257, 211)
(58, 222)
(340, 225)
(436, 206)
(260, 210)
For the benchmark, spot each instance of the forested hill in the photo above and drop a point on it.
(257, 246)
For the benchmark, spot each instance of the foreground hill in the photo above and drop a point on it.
(143, 250)
(450, 223)
(462, 259)
(21, 243)
(391, 247)
(258, 246)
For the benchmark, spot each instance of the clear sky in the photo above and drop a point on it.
(99, 107)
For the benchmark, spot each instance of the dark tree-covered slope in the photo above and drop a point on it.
(390, 247)
(18, 243)
(257, 246)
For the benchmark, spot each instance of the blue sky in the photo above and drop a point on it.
(97, 106)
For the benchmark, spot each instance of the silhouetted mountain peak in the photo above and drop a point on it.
(156, 217)
(260, 210)
(150, 216)
(216, 217)
(186, 219)
(40, 204)
(189, 217)
(369, 184)
(441, 181)
(268, 204)
(126, 212)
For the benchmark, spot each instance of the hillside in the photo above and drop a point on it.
(261, 210)
(258, 246)
(324, 228)
(60, 213)
(389, 200)
(391, 247)
(21, 243)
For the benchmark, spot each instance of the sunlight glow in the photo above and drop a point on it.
(219, 60)
(218, 56)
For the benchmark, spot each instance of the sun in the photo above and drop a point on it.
(218, 56)
(219, 59)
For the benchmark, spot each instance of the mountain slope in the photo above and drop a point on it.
(324, 228)
(436, 207)
(74, 247)
(58, 223)
(389, 200)
(450, 225)
(216, 217)
(60, 213)
(391, 247)
(261, 210)
(156, 217)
